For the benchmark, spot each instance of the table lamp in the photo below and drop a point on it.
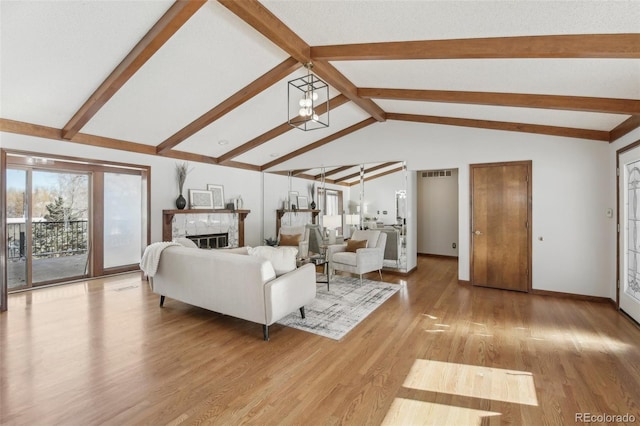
(331, 222)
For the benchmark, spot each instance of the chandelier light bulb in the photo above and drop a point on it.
(304, 91)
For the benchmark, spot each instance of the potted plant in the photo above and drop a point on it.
(182, 170)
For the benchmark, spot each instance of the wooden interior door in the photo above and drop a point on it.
(501, 225)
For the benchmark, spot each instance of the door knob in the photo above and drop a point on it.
(478, 232)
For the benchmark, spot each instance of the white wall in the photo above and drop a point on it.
(163, 183)
(437, 216)
(571, 192)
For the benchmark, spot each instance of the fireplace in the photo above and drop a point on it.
(201, 223)
(210, 241)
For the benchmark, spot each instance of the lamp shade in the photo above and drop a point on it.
(332, 221)
(353, 219)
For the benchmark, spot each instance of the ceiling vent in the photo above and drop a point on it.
(436, 173)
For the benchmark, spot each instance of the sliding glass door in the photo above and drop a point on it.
(47, 227)
(70, 218)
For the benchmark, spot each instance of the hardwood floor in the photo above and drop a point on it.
(437, 352)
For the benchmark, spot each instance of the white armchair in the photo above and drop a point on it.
(363, 259)
(303, 244)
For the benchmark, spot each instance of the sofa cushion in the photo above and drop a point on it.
(371, 236)
(290, 240)
(283, 259)
(353, 245)
(345, 258)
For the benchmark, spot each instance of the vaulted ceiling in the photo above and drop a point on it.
(207, 80)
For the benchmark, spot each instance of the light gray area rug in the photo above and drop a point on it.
(335, 312)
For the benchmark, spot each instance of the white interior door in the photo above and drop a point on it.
(629, 187)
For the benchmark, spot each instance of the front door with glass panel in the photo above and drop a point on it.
(629, 264)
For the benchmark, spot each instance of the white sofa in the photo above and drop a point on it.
(233, 283)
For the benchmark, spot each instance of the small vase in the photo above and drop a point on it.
(181, 203)
(312, 205)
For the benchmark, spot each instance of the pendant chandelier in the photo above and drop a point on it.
(308, 102)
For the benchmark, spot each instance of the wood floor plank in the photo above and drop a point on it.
(104, 352)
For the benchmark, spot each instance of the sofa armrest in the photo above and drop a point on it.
(289, 292)
(369, 255)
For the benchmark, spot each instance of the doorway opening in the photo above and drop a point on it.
(437, 211)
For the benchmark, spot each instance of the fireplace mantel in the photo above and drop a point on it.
(168, 215)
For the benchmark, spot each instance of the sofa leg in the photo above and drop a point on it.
(302, 312)
(360, 279)
(161, 301)
(265, 331)
(380, 272)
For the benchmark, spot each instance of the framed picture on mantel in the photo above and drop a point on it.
(218, 195)
(303, 202)
(199, 199)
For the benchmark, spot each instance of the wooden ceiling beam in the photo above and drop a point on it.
(276, 74)
(277, 131)
(163, 30)
(379, 175)
(303, 176)
(29, 129)
(568, 132)
(627, 126)
(267, 24)
(334, 171)
(571, 103)
(321, 142)
(338, 81)
(369, 170)
(549, 46)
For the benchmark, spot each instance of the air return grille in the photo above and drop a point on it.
(436, 173)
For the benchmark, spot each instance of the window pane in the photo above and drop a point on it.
(16, 229)
(59, 226)
(122, 219)
(332, 203)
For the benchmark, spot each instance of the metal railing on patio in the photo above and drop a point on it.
(50, 239)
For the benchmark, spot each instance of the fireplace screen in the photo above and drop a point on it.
(210, 241)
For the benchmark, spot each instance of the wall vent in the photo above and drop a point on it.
(436, 173)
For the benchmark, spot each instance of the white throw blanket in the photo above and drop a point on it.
(151, 257)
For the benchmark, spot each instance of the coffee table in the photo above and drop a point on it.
(318, 261)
